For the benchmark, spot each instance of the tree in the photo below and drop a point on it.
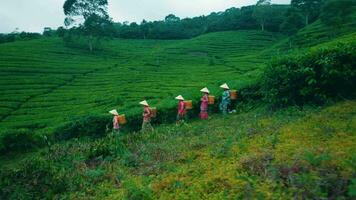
(172, 18)
(309, 8)
(95, 16)
(292, 23)
(47, 31)
(144, 28)
(262, 12)
(337, 12)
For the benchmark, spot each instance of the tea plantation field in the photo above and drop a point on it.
(44, 84)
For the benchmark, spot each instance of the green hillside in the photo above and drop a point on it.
(258, 155)
(45, 84)
(264, 151)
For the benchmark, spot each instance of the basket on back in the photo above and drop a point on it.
(122, 119)
(188, 104)
(153, 111)
(233, 94)
(211, 100)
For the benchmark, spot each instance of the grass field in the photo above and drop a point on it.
(44, 84)
(305, 152)
(255, 155)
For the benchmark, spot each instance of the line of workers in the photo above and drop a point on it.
(183, 105)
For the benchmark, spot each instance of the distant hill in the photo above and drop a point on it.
(45, 84)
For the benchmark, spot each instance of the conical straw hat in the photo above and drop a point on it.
(224, 86)
(114, 112)
(144, 103)
(180, 97)
(205, 90)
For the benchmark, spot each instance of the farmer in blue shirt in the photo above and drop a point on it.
(225, 99)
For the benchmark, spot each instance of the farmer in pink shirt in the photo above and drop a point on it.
(146, 124)
(204, 104)
(115, 122)
(181, 110)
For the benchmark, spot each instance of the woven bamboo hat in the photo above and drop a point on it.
(114, 112)
(205, 90)
(144, 103)
(225, 86)
(180, 97)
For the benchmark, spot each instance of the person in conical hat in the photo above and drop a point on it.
(181, 109)
(115, 121)
(146, 122)
(225, 99)
(204, 103)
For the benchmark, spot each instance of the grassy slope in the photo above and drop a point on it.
(44, 83)
(290, 153)
(236, 157)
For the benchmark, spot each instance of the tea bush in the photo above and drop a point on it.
(315, 77)
(19, 140)
(94, 126)
(36, 178)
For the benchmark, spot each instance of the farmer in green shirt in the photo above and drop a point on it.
(225, 99)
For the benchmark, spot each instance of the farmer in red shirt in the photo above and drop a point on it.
(115, 122)
(181, 110)
(204, 104)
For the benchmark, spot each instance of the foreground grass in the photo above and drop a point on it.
(286, 154)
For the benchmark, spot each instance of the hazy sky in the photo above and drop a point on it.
(34, 15)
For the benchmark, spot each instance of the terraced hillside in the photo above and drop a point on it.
(44, 84)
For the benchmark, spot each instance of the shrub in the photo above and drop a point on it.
(315, 77)
(135, 192)
(18, 141)
(36, 178)
(94, 126)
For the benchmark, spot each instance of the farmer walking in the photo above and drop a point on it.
(204, 104)
(181, 109)
(115, 122)
(146, 124)
(225, 99)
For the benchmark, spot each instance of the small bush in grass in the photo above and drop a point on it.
(36, 178)
(352, 188)
(18, 141)
(94, 126)
(135, 192)
(256, 164)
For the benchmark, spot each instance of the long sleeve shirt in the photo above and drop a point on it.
(115, 122)
(181, 108)
(146, 114)
(225, 97)
(204, 102)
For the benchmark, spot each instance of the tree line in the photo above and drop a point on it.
(88, 23)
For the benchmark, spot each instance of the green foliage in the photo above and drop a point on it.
(135, 192)
(292, 23)
(311, 78)
(16, 36)
(262, 12)
(309, 8)
(19, 140)
(352, 188)
(200, 160)
(94, 126)
(172, 27)
(36, 178)
(337, 12)
(97, 24)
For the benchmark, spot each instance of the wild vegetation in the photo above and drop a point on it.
(287, 154)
